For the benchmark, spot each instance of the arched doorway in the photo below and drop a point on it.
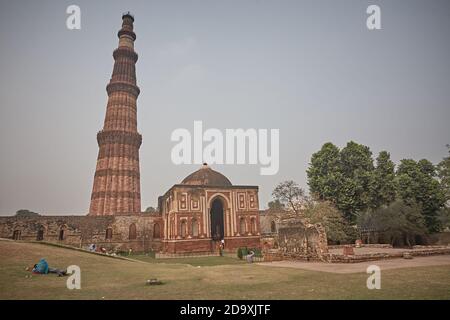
(40, 234)
(183, 228)
(242, 227)
(132, 232)
(273, 227)
(194, 228)
(253, 225)
(108, 235)
(217, 228)
(156, 231)
(61, 234)
(16, 235)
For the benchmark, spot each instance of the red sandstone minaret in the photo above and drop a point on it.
(116, 181)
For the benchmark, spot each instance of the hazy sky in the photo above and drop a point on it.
(309, 68)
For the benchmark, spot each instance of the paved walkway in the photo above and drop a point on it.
(366, 250)
(362, 266)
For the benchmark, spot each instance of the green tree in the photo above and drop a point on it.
(417, 183)
(276, 205)
(26, 213)
(342, 177)
(357, 169)
(325, 213)
(324, 173)
(151, 210)
(444, 218)
(383, 188)
(398, 223)
(443, 169)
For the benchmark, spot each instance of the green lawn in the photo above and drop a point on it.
(194, 261)
(201, 278)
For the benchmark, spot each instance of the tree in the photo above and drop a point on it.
(290, 195)
(26, 213)
(398, 223)
(383, 188)
(357, 168)
(444, 218)
(325, 213)
(417, 183)
(276, 205)
(443, 169)
(342, 177)
(151, 210)
(324, 173)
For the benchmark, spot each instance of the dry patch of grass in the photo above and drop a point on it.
(107, 278)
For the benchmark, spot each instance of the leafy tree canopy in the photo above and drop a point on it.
(26, 213)
(290, 195)
(398, 224)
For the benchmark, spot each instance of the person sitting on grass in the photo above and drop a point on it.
(42, 268)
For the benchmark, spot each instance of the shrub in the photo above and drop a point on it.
(239, 253)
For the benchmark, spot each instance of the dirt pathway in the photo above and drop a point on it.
(362, 266)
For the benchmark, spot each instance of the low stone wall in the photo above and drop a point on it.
(378, 245)
(272, 256)
(423, 251)
(290, 256)
(338, 258)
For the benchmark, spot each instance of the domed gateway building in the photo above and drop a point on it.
(198, 214)
(206, 208)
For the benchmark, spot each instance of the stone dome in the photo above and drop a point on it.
(206, 176)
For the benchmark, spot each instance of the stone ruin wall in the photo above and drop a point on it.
(302, 240)
(287, 240)
(80, 231)
(298, 240)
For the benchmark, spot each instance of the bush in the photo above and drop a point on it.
(239, 253)
(257, 252)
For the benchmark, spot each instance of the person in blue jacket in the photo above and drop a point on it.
(42, 268)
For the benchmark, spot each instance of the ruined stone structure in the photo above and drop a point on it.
(287, 237)
(300, 239)
(117, 181)
(269, 220)
(193, 216)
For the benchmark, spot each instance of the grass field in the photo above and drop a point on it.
(200, 278)
(196, 262)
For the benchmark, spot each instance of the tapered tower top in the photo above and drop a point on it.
(128, 15)
(126, 34)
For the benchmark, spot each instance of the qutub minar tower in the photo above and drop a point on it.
(117, 180)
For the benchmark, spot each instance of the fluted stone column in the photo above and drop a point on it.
(117, 181)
